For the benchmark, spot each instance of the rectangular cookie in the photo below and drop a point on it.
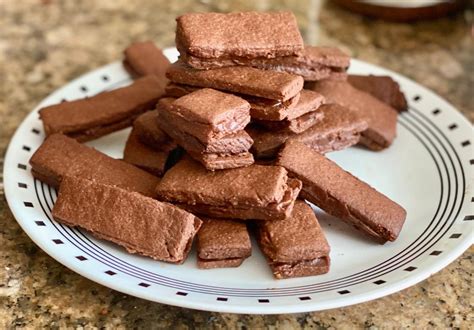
(274, 110)
(296, 246)
(341, 194)
(144, 157)
(144, 58)
(232, 143)
(252, 192)
(260, 108)
(296, 126)
(60, 155)
(280, 86)
(381, 118)
(222, 243)
(236, 35)
(140, 224)
(384, 88)
(338, 129)
(309, 101)
(227, 119)
(313, 64)
(106, 112)
(300, 117)
(219, 112)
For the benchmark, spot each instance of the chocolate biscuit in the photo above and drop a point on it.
(237, 35)
(93, 117)
(301, 117)
(144, 157)
(272, 85)
(309, 101)
(60, 155)
(297, 125)
(230, 143)
(140, 224)
(222, 243)
(296, 246)
(381, 118)
(253, 192)
(206, 114)
(273, 110)
(338, 129)
(313, 64)
(384, 88)
(144, 58)
(220, 145)
(260, 108)
(341, 194)
(233, 143)
(223, 112)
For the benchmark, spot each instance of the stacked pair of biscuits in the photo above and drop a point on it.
(226, 143)
(209, 126)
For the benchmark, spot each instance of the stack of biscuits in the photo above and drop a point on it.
(226, 143)
(246, 57)
(209, 125)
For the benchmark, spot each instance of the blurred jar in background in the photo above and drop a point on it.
(404, 10)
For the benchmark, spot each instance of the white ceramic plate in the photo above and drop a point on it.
(428, 170)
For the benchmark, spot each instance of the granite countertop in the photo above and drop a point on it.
(44, 44)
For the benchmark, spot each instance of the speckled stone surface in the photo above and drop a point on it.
(44, 44)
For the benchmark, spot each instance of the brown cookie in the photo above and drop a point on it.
(140, 224)
(253, 192)
(236, 35)
(296, 126)
(338, 129)
(384, 88)
(260, 108)
(60, 155)
(144, 157)
(301, 117)
(272, 85)
(296, 246)
(341, 194)
(381, 118)
(104, 113)
(222, 243)
(226, 119)
(223, 112)
(313, 64)
(144, 58)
